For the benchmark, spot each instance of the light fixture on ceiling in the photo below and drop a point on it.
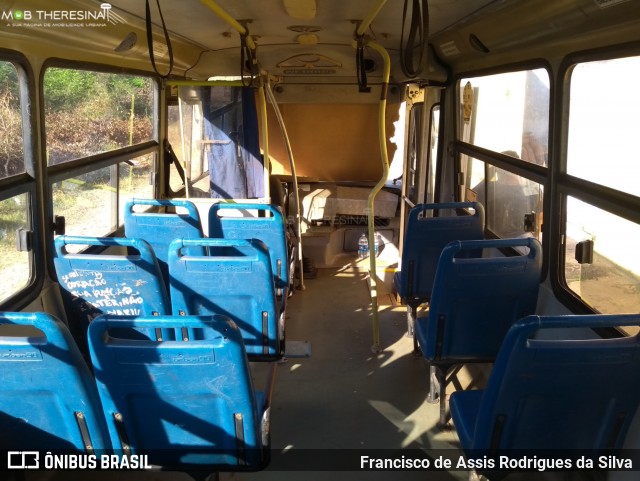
(301, 9)
(307, 34)
(127, 43)
(307, 39)
(477, 44)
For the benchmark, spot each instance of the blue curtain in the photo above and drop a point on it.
(236, 168)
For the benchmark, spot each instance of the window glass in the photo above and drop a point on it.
(180, 144)
(604, 124)
(510, 198)
(87, 202)
(507, 198)
(135, 180)
(474, 178)
(15, 270)
(11, 137)
(415, 139)
(433, 153)
(220, 142)
(507, 113)
(200, 146)
(87, 113)
(610, 282)
(186, 134)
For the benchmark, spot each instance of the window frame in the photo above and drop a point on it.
(432, 164)
(528, 170)
(414, 189)
(26, 182)
(613, 201)
(69, 169)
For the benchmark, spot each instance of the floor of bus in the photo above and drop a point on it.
(342, 397)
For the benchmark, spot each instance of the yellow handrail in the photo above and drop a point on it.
(382, 113)
(232, 22)
(205, 83)
(364, 25)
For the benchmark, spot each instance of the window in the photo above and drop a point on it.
(508, 113)
(11, 136)
(434, 137)
(507, 198)
(415, 151)
(601, 148)
(604, 124)
(89, 113)
(15, 263)
(215, 133)
(609, 280)
(135, 180)
(89, 202)
(178, 143)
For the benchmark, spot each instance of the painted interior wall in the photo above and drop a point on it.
(331, 142)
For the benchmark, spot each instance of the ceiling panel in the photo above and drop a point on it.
(268, 22)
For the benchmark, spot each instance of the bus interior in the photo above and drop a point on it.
(362, 231)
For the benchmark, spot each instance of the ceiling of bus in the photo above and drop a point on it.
(270, 20)
(283, 29)
(310, 41)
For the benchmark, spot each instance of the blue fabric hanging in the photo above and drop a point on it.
(236, 168)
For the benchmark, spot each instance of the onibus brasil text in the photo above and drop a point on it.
(90, 461)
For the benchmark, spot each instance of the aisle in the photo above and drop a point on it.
(344, 397)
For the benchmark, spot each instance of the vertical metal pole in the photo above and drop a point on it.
(372, 195)
(265, 136)
(187, 174)
(294, 177)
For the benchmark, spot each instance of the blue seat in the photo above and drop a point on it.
(48, 399)
(97, 283)
(554, 395)
(424, 240)
(235, 280)
(269, 228)
(474, 303)
(160, 228)
(186, 404)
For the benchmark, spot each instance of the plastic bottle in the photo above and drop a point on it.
(377, 241)
(363, 246)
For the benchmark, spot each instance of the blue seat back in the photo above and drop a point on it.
(181, 402)
(94, 284)
(424, 240)
(235, 280)
(269, 229)
(476, 300)
(48, 399)
(561, 394)
(160, 228)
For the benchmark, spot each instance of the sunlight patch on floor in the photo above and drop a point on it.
(413, 426)
(400, 420)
